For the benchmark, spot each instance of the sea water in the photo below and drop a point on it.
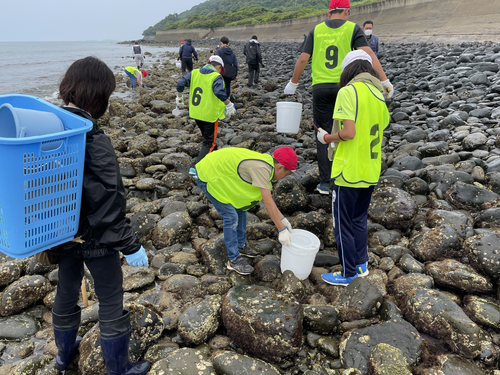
(36, 68)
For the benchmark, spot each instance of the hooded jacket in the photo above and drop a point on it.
(252, 52)
(228, 56)
(103, 226)
(186, 50)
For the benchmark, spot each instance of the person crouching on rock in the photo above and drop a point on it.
(103, 232)
(135, 76)
(361, 110)
(235, 180)
(208, 102)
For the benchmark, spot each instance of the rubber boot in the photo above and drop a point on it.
(66, 337)
(115, 336)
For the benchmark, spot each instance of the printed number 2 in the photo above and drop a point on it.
(196, 96)
(332, 55)
(374, 131)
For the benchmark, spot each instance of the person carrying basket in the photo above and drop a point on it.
(104, 231)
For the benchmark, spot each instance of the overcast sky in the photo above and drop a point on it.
(58, 20)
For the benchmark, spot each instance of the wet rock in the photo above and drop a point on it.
(483, 251)
(174, 228)
(146, 327)
(360, 300)
(231, 363)
(185, 285)
(199, 323)
(393, 208)
(329, 345)
(23, 293)
(407, 284)
(268, 268)
(18, 327)
(9, 272)
(394, 252)
(136, 277)
(143, 143)
(159, 351)
(263, 323)
(289, 195)
(461, 222)
(184, 361)
(32, 364)
(450, 364)
(356, 345)
(214, 254)
(410, 264)
(473, 141)
(384, 238)
(435, 243)
(435, 314)
(313, 222)
(386, 359)
(170, 269)
(320, 319)
(482, 311)
(489, 218)
(142, 223)
(410, 163)
(453, 274)
(260, 231)
(177, 180)
(471, 197)
(290, 284)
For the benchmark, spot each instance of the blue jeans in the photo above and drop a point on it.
(133, 80)
(235, 223)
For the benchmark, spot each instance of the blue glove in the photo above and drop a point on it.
(138, 259)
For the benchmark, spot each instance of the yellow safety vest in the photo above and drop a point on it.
(133, 70)
(219, 169)
(329, 50)
(357, 162)
(203, 104)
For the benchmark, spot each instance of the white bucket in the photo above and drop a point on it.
(178, 64)
(299, 256)
(288, 115)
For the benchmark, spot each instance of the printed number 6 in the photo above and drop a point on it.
(374, 131)
(196, 96)
(332, 55)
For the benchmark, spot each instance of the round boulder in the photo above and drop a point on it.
(393, 208)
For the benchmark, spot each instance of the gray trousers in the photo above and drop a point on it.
(139, 60)
(253, 74)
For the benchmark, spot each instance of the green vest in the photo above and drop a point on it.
(329, 50)
(357, 163)
(132, 70)
(203, 104)
(219, 170)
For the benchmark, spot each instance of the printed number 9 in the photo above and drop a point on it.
(374, 131)
(196, 96)
(332, 55)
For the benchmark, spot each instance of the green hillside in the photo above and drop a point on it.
(210, 7)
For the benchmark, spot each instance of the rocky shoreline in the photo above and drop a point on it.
(430, 304)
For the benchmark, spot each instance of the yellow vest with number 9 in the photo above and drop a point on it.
(329, 50)
(203, 104)
(357, 162)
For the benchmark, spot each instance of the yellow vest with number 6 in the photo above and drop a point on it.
(203, 104)
(329, 50)
(357, 162)
(219, 169)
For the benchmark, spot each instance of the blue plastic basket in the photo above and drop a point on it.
(41, 191)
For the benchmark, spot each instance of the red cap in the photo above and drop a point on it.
(144, 73)
(287, 157)
(339, 4)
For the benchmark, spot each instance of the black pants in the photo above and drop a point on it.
(323, 106)
(253, 74)
(186, 63)
(209, 132)
(227, 86)
(108, 279)
(350, 213)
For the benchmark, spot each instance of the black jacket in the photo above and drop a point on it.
(103, 224)
(252, 52)
(228, 56)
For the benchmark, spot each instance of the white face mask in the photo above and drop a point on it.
(368, 32)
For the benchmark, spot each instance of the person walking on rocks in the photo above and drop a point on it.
(186, 55)
(103, 232)
(235, 180)
(230, 64)
(135, 76)
(254, 58)
(362, 114)
(328, 43)
(208, 102)
(370, 37)
(138, 55)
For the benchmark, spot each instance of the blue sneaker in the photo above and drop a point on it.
(192, 171)
(336, 278)
(323, 188)
(362, 269)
